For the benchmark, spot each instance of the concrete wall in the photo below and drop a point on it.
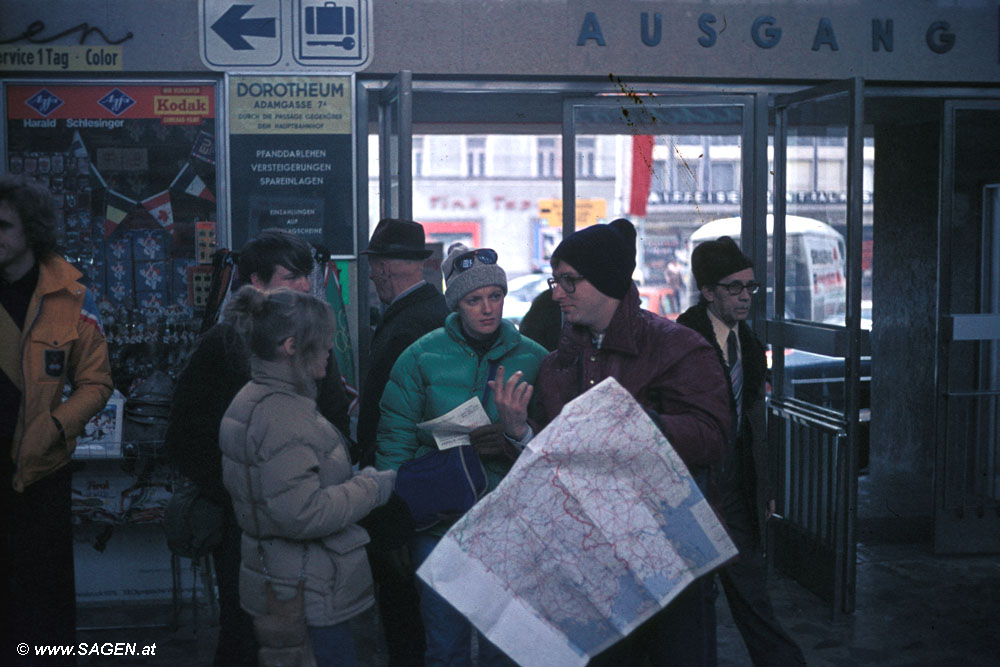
(790, 40)
(903, 337)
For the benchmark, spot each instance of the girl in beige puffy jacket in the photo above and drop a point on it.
(288, 471)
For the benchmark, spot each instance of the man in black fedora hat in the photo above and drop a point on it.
(396, 254)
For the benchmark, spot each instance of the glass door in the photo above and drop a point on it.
(967, 468)
(395, 123)
(669, 163)
(395, 131)
(818, 344)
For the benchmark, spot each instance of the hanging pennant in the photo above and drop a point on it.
(160, 208)
(188, 181)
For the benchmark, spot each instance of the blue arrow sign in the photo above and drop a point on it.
(232, 27)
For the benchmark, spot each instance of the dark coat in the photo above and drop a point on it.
(543, 321)
(669, 369)
(217, 369)
(751, 439)
(419, 312)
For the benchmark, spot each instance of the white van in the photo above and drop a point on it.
(815, 261)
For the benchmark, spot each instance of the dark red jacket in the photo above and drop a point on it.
(669, 369)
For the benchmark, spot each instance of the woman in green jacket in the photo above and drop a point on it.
(476, 353)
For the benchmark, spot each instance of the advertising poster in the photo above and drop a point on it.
(132, 168)
(292, 158)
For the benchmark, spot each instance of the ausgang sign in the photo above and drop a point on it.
(295, 35)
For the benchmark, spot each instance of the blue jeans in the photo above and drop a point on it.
(333, 645)
(449, 634)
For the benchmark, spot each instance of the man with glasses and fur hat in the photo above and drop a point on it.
(725, 278)
(671, 371)
(396, 254)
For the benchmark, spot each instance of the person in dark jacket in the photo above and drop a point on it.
(672, 372)
(543, 321)
(725, 277)
(217, 369)
(396, 254)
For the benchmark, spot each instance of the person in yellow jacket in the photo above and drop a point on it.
(50, 335)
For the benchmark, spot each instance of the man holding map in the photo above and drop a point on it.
(674, 375)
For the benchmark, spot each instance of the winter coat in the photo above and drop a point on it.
(289, 474)
(61, 341)
(437, 374)
(669, 369)
(750, 440)
(421, 311)
(217, 369)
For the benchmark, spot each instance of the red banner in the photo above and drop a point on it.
(642, 173)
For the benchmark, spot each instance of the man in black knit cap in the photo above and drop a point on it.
(671, 371)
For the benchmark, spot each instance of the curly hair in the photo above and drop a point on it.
(34, 204)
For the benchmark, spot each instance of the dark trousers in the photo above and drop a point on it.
(745, 584)
(237, 642)
(399, 609)
(681, 634)
(40, 604)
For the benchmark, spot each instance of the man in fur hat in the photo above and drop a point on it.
(725, 277)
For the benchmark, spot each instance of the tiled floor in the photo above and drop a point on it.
(913, 608)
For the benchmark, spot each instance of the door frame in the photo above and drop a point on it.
(815, 446)
(395, 113)
(753, 202)
(964, 522)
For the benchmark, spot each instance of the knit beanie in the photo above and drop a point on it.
(713, 260)
(603, 254)
(459, 283)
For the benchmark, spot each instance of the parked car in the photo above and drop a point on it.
(660, 299)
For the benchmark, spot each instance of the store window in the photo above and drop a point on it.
(548, 156)
(586, 150)
(800, 175)
(475, 152)
(723, 177)
(133, 172)
(418, 157)
(831, 175)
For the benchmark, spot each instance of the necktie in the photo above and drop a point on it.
(735, 372)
